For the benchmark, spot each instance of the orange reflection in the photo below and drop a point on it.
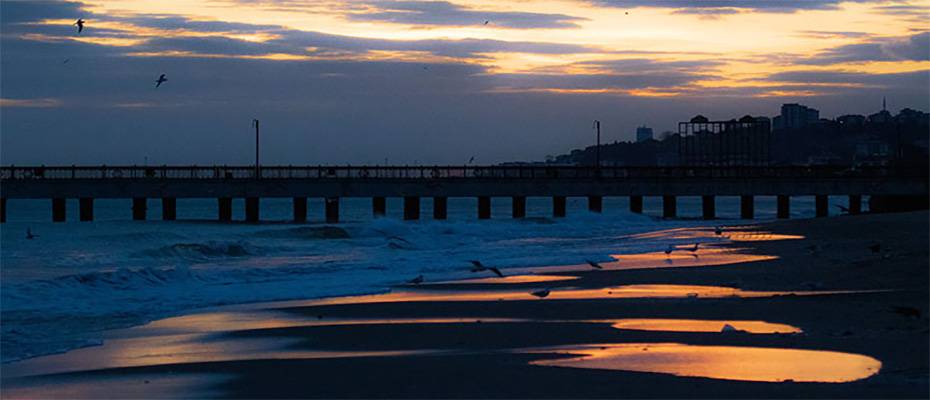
(516, 279)
(617, 292)
(719, 362)
(701, 325)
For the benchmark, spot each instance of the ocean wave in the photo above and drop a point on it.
(206, 250)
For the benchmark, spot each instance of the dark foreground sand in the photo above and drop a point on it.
(289, 349)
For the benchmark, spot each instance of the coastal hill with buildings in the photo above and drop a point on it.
(797, 136)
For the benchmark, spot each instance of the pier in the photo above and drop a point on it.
(225, 183)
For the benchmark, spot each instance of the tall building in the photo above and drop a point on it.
(643, 134)
(794, 115)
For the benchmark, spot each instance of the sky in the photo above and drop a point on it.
(424, 82)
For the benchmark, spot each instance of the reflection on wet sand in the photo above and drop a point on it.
(719, 362)
(701, 325)
(617, 292)
(512, 279)
(733, 233)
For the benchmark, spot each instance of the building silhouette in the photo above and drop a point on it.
(643, 134)
(795, 116)
(746, 141)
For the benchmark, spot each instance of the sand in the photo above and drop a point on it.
(427, 341)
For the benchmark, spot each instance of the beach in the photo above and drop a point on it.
(826, 307)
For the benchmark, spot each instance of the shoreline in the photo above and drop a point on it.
(420, 358)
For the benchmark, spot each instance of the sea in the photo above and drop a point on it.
(62, 289)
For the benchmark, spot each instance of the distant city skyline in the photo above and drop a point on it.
(429, 81)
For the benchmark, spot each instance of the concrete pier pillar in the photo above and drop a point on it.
(783, 206)
(86, 209)
(58, 210)
(169, 208)
(518, 209)
(558, 206)
(224, 204)
(709, 207)
(440, 208)
(669, 206)
(332, 210)
(251, 209)
(855, 204)
(636, 204)
(821, 205)
(411, 208)
(140, 208)
(2, 210)
(300, 209)
(746, 207)
(595, 204)
(378, 207)
(484, 207)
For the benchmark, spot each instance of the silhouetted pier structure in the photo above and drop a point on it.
(224, 183)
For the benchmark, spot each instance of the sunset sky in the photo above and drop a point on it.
(429, 81)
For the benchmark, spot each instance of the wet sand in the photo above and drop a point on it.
(824, 292)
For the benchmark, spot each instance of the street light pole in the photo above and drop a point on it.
(597, 150)
(257, 168)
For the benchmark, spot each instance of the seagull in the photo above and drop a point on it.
(80, 25)
(416, 281)
(486, 22)
(471, 159)
(66, 61)
(843, 209)
(161, 79)
(594, 264)
(694, 248)
(669, 250)
(540, 293)
(29, 234)
(718, 230)
(478, 267)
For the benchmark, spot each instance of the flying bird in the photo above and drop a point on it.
(594, 265)
(844, 210)
(471, 159)
(80, 25)
(66, 61)
(478, 267)
(161, 79)
(541, 293)
(416, 281)
(29, 234)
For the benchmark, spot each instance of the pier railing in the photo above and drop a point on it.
(436, 172)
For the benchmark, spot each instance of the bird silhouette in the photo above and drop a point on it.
(66, 61)
(541, 293)
(486, 22)
(669, 250)
(161, 79)
(694, 248)
(842, 209)
(471, 159)
(80, 25)
(594, 265)
(29, 234)
(416, 281)
(478, 267)
(718, 230)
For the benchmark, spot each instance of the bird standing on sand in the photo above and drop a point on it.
(416, 281)
(694, 248)
(161, 79)
(669, 250)
(718, 230)
(594, 265)
(80, 25)
(541, 293)
(29, 234)
(486, 22)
